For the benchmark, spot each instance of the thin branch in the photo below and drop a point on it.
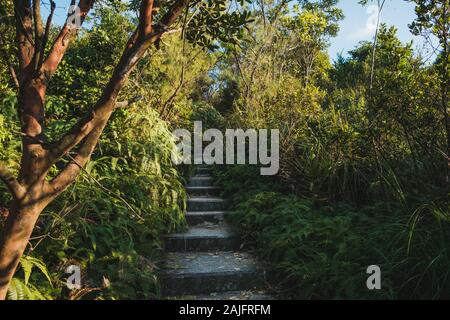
(375, 42)
(173, 31)
(238, 64)
(104, 189)
(263, 13)
(46, 33)
(66, 35)
(68, 175)
(38, 31)
(183, 67)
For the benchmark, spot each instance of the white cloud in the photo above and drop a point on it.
(362, 33)
(370, 27)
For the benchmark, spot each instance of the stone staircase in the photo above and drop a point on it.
(205, 262)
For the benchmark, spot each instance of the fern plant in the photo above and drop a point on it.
(23, 289)
(18, 290)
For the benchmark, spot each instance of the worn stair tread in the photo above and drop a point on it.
(206, 213)
(200, 181)
(204, 263)
(206, 199)
(207, 263)
(203, 171)
(203, 191)
(199, 217)
(201, 177)
(202, 188)
(230, 295)
(205, 237)
(209, 203)
(205, 231)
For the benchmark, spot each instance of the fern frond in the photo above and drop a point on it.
(27, 263)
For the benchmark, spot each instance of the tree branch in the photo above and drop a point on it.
(103, 109)
(24, 31)
(66, 35)
(48, 25)
(38, 31)
(172, 15)
(68, 175)
(146, 18)
(14, 187)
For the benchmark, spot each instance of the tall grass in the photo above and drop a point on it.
(323, 252)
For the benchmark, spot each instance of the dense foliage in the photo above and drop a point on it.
(364, 152)
(363, 168)
(110, 222)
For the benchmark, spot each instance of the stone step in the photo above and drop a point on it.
(202, 174)
(231, 295)
(207, 237)
(198, 217)
(203, 170)
(203, 191)
(200, 181)
(206, 204)
(200, 273)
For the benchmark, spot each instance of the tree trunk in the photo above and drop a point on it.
(30, 190)
(15, 235)
(25, 210)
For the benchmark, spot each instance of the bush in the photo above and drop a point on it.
(323, 253)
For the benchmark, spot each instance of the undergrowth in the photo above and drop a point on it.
(110, 222)
(323, 252)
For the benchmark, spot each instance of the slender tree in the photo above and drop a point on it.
(33, 189)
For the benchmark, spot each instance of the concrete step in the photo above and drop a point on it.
(203, 191)
(231, 295)
(200, 181)
(206, 204)
(199, 273)
(202, 175)
(203, 170)
(198, 217)
(206, 237)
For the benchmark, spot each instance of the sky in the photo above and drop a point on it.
(357, 26)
